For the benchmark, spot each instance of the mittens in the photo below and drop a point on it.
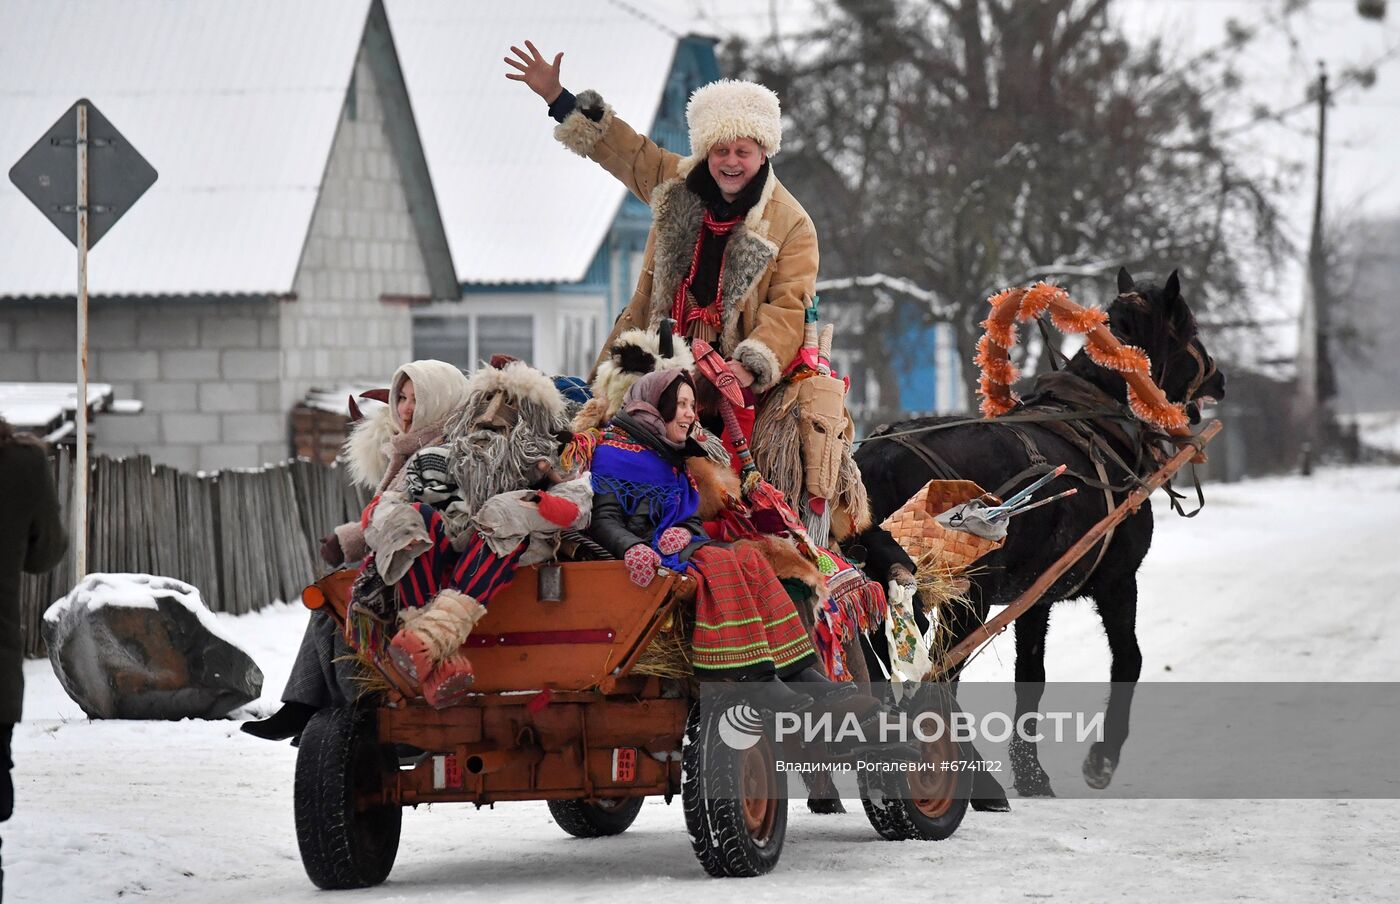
(642, 562)
(331, 552)
(673, 540)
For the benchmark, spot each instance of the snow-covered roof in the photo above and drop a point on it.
(234, 102)
(518, 206)
(44, 408)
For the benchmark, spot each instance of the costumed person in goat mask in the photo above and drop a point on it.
(644, 505)
(732, 256)
(422, 396)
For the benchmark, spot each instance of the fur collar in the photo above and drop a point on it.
(677, 213)
(363, 452)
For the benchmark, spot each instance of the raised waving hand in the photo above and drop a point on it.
(541, 76)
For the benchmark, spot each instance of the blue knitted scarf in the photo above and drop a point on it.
(642, 475)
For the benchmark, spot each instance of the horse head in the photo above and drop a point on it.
(1159, 321)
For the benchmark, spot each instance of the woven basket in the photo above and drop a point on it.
(913, 526)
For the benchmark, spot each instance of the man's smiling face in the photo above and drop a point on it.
(733, 164)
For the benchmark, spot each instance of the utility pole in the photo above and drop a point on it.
(1317, 384)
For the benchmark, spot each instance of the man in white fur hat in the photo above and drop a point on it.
(732, 257)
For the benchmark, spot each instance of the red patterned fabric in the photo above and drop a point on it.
(642, 562)
(745, 623)
(673, 540)
(683, 309)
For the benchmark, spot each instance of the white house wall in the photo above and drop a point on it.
(362, 245)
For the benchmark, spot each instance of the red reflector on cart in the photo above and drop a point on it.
(447, 772)
(624, 764)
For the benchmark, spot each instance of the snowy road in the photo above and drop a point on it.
(197, 811)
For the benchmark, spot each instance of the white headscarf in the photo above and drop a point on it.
(378, 446)
(439, 389)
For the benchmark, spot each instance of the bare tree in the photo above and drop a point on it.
(967, 145)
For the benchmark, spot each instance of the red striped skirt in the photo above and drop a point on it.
(745, 623)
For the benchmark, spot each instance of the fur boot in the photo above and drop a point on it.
(428, 636)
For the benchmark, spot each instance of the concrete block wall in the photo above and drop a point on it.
(207, 372)
(362, 244)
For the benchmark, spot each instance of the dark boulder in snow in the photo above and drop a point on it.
(133, 646)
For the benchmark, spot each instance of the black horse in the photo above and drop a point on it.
(1003, 456)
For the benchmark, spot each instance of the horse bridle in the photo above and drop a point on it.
(1204, 370)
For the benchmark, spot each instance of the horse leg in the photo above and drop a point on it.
(1117, 605)
(1031, 628)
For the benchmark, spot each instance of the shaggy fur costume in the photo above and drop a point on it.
(483, 462)
(527, 386)
(364, 460)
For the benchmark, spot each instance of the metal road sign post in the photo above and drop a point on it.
(63, 189)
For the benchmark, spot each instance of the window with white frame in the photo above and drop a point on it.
(468, 339)
(499, 334)
(444, 339)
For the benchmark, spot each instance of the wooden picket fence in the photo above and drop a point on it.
(245, 538)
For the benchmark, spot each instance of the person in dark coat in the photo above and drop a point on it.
(32, 539)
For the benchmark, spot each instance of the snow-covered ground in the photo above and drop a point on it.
(1283, 579)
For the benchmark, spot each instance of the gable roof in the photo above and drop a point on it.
(234, 102)
(517, 206)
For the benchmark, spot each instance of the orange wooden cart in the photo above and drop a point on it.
(557, 715)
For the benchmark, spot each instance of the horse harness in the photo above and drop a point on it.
(1082, 415)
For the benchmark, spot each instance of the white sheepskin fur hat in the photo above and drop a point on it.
(730, 109)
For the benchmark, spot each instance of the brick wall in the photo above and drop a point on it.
(206, 370)
(362, 245)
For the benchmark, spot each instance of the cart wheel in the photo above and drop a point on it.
(348, 838)
(596, 819)
(735, 808)
(925, 805)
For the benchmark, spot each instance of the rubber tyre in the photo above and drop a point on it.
(919, 806)
(344, 844)
(590, 819)
(731, 835)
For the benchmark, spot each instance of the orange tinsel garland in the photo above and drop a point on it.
(1145, 398)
